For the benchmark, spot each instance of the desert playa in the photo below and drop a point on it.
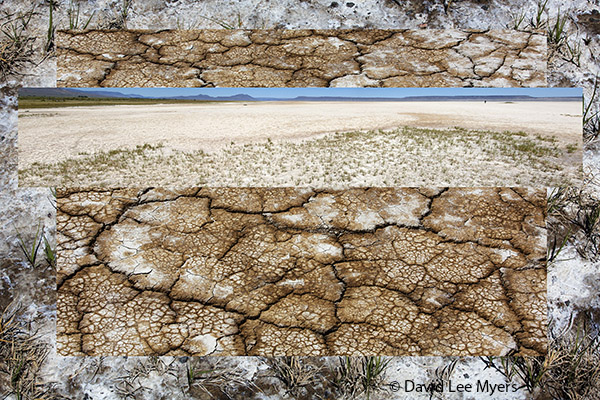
(270, 134)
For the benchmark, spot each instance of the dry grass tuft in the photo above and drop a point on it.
(216, 381)
(591, 114)
(570, 370)
(132, 383)
(294, 374)
(16, 44)
(573, 217)
(356, 376)
(574, 364)
(21, 357)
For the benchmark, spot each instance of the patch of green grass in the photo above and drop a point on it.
(121, 14)
(573, 212)
(538, 21)
(571, 148)
(556, 32)
(556, 246)
(517, 21)
(529, 370)
(223, 24)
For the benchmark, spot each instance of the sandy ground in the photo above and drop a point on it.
(50, 135)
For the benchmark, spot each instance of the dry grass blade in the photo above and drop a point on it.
(591, 114)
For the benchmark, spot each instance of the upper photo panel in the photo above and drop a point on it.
(301, 58)
(318, 137)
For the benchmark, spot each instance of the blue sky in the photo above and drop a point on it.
(349, 92)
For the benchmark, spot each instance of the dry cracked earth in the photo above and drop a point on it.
(299, 58)
(293, 271)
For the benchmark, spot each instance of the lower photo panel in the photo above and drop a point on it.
(301, 271)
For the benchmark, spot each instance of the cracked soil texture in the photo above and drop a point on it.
(301, 58)
(293, 271)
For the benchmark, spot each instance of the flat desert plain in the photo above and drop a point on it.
(226, 136)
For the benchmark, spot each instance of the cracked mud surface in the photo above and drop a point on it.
(299, 58)
(292, 271)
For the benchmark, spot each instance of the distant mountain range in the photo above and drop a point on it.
(65, 92)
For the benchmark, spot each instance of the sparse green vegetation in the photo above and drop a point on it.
(223, 24)
(30, 250)
(350, 158)
(529, 370)
(33, 102)
(538, 21)
(557, 30)
(443, 373)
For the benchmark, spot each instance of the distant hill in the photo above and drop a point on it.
(235, 97)
(67, 92)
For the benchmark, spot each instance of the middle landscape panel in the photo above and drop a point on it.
(320, 137)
